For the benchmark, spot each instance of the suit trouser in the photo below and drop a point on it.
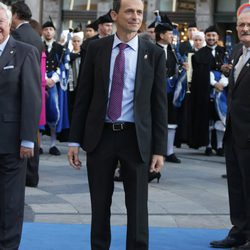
(238, 176)
(32, 172)
(101, 165)
(12, 189)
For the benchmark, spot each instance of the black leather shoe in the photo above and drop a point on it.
(220, 152)
(246, 246)
(172, 158)
(228, 242)
(208, 151)
(54, 151)
(154, 175)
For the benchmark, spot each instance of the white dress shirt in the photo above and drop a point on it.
(131, 55)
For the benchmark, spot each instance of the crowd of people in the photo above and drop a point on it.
(128, 97)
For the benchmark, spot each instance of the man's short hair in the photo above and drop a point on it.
(22, 10)
(117, 5)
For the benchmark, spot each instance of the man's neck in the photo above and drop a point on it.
(19, 23)
(126, 37)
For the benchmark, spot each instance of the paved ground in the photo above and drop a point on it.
(190, 194)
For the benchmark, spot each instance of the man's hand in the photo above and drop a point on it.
(26, 152)
(219, 86)
(50, 83)
(225, 68)
(185, 66)
(73, 157)
(157, 163)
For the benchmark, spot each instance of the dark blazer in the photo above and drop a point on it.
(83, 52)
(150, 99)
(238, 118)
(20, 95)
(185, 48)
(25, 33)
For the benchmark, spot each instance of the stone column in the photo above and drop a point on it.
(204, 13)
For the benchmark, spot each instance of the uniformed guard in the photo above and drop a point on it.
(208, 84)
(164, 39)
(56, 84)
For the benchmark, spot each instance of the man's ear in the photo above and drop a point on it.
(113, 15)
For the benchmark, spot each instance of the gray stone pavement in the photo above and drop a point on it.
(191, 194)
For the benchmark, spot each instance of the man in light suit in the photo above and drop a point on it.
(21, 15)
(20, 106)
(237, 140)
(136, 137)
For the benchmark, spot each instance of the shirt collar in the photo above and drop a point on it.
(133, 43)
(2, 45)
(20, 24)
(212, 47)
(245, 48)
(165, 46)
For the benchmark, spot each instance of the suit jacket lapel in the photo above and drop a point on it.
(105, 61)
(236, 59)
(243, 72)
(8, 53)
(142, 59)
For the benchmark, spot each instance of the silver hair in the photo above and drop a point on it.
(7, 11)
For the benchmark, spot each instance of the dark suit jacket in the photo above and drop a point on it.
(150, 99)
(83, 53)
(25, 33)
(238, 118)
(185, 48)
(20, 95)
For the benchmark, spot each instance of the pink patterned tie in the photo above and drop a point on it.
(115, 99)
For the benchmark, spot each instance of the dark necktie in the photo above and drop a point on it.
(116, 93)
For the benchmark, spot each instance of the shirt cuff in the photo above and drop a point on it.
(73, 144)
(55, 77)
(27, 144)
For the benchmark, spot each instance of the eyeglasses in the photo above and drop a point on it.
(243, 25)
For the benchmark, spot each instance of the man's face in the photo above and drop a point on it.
(191, 31)
(243, 28)
(4, 26)
(105, 29)
(211, 38)
(167, 37)
(151, 32)
(129, 18)
(48, 33)
(89, 32)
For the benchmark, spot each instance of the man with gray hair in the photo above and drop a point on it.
(237, 140)
(20, 107)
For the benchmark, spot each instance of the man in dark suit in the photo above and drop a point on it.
(21, 15)
(127, 124)
(237, 140)
(20, 106)
(23, 32)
